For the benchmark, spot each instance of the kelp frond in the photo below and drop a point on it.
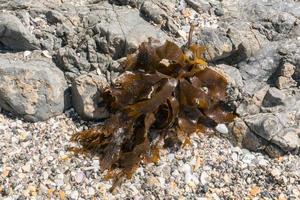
(164, 90)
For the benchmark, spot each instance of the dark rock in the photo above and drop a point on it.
(54, 17)
(274, 97)
(273, 151)
(14, 35)
(219, 11)
(33, 88)
(86, 96)
(252, 142)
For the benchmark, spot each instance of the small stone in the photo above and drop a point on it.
(186, 168)
(46, 54)
(26, 167)
(287, 70)
(248, 158)
(276, 172)
(91, 191)
(79, 177)
(153, 181)
(222, 128)
(262, 162)
(26, 54)
(234, 156)
(204, 178)
(282, 197)
(285, 82)
(219, 11)
(74, 195)
(227, 178)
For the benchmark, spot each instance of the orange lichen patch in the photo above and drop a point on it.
(165, 94)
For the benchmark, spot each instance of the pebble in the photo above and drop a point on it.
(222, 128)
(275, 172)
(74, 195)
(79, 177)
(204, 178)
(26, 54)
(248, 158)
(234, 156)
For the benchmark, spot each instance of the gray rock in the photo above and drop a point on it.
(54, 17)
(119, 30)
(258, 69)
(33, 88)
(217, 44)
(265, 125)
(274, 97)
(152, 11)
(245, 109)
(288, 139)
(68, 60)
(202, 5)
(276, 20)
(86, 96)
(233, 74)
(14, 35)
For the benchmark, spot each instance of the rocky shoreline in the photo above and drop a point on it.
(57, 57)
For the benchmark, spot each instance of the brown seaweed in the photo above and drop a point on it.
(164, 90)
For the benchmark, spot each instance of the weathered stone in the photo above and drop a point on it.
(287, 70)
(33, 88)
(153, 12)
(273, 151)
(265, 125)
(247, 109)
(258, 69)
(120, 30)
(55, 17)
(252, 142)
(14, 35)
(68, 60)
(276, 21)
(217, 44)
(285, 82)
(233, 74)
(86, 96)
(243, 136)
(287, 139)
(274, 97)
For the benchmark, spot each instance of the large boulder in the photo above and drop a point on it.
(32, 88)
(14, 35)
